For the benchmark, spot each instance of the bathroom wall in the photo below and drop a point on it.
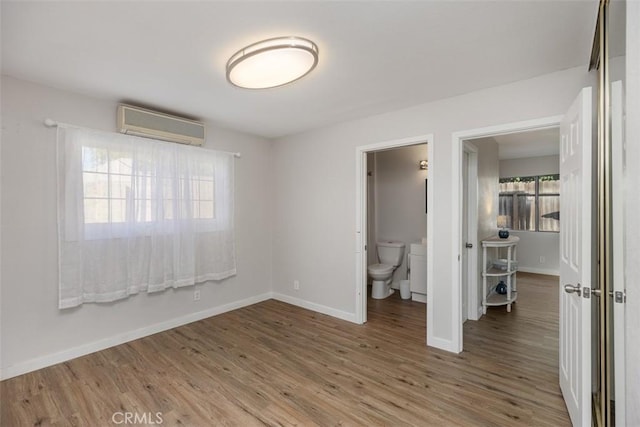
(534, 245)
(371, 209)
(400, 198)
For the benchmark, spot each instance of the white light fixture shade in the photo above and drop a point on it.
(502, 221)
(272, 63)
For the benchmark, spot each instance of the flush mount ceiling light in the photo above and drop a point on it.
(271, 63)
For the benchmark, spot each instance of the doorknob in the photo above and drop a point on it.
(468, 245)
(570, 289)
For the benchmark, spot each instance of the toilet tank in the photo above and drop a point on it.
(390, 252)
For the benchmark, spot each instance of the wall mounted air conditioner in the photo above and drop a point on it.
(151, 124)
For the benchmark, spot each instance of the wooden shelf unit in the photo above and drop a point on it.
(490, 297)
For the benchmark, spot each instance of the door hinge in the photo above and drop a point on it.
(620, 297)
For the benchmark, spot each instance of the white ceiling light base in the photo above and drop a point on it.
(271, 63)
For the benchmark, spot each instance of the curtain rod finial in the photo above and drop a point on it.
(50, 123)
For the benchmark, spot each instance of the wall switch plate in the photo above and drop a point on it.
(542, 260)
(196, 295)
(296, 285)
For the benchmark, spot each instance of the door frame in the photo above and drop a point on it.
(361, 219)
(618, 227)
(474, 311)
(458, 140)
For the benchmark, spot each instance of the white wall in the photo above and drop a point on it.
(371, 209)
(632, 217)
(530, 166)
(534, 245)
(34, 331)
(401, 198)
(314, 232)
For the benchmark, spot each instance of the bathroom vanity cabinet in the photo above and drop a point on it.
(496, 269)
(418, 271)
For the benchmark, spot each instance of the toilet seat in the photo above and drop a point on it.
(380, 269)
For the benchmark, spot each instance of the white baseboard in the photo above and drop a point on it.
(478, 313)
(442, 344)
(415, 296)
(350, 317)
(72, 353)
(539, 271)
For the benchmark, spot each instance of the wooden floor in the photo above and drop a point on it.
(276, 364)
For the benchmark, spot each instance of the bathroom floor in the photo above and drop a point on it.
(276, 364)
(397, 311)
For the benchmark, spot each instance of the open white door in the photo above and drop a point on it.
(469, 253)
(575, 259)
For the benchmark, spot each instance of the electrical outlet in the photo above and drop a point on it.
(296, 285)
(542, 260)
(196, 295)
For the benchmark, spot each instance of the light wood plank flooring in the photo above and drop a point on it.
(276, 364)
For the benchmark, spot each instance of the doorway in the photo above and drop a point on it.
(362, 222)
(574, 179)
(460, 140)
(517, 185)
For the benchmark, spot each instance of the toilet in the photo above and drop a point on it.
(390, 257)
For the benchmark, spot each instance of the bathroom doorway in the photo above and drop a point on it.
(397, 222)
(366, 232)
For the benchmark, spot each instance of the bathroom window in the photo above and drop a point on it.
(530, 203)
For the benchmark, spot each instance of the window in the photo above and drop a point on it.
(138, 215)
(118, 188)
(531, 203)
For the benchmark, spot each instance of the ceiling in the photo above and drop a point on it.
(375, 56)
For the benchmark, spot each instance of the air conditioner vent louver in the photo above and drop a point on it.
(151, 124)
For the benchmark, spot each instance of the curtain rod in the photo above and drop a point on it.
(50, 123)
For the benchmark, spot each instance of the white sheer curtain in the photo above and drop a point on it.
(138, 215)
